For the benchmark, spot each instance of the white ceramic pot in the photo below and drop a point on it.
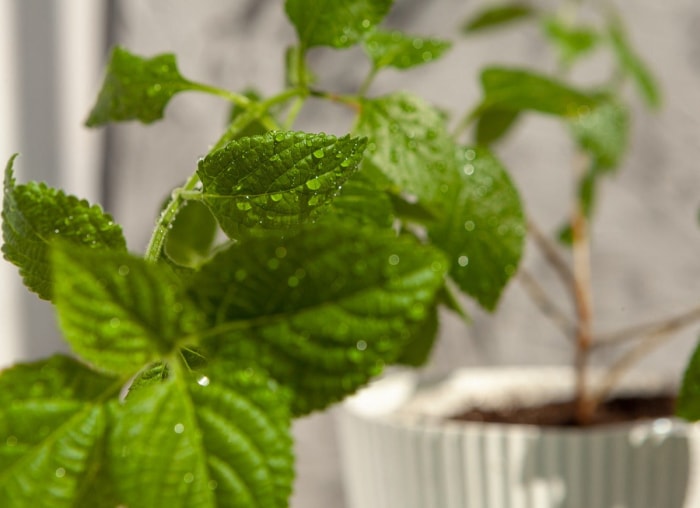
(398, 450)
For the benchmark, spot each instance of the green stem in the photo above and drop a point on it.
(369, 79)
(166, 218)
(236, 98)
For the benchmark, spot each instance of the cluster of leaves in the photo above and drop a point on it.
(194, 357)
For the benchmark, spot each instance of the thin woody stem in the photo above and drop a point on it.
(585, 407)
(665, 326)
(545, 303)
(552, 255)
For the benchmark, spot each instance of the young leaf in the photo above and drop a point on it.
(603, 132)
(276, 180)
(323, 310)
(484, 240)
(136, 88)
(570, 42)
(408, 144)
(220, 440)
(33, 214)
(495, 17)
(632, 64)
(402, 51)
(52, 432)
(117, 311)
(688, 405)
(523, 90)
(336, 23)
(192, 235)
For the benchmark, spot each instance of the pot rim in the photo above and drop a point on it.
(401, 399)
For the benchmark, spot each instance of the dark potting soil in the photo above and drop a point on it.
(561, 414)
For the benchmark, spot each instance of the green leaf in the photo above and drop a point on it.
(497, 16)
(191, 237)
(402, 51)
(276, 180)
(485, 235)
(408, 144)
(571, 42)
(493, 124)
(322, 310)
(136, 88)
(523, 90)
(52, 430)
(362, 201)
(688, 405)
(603, 132)
(336, 23)
(420, 345)
(117, 311)
(34, 214)
(221, 439)
(631, 64)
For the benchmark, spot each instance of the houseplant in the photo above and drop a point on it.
(193, 357)
(400, 444)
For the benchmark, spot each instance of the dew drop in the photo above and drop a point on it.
(319, 153)
(292, 281)
(179, 428)
(202, 381)
(470, 155)
(468, 169)
(463, 260)
(279, 136)
(273, 264)
(314, 200)
(366, 23)
(469, 225)
(212, 484)
(345, 163)
(276, 197)
(314, 184)
(394, 260)
(280, 252)
(188, 478)
(115, 322)
(60, 472)
(244, 205)
(417, 43)
(361, 345)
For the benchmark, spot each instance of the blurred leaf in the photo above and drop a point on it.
(603, 133)
(336, 23)
(631, 64)
(417, 351)
(688, 405)
(136, 88)
(493, 124)
(321, 310)
(484, 237)
(34, 214)
(497, 16)
(362, 201)
(524, 90)
(277, 180)
(402, 51)
(571, 42)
